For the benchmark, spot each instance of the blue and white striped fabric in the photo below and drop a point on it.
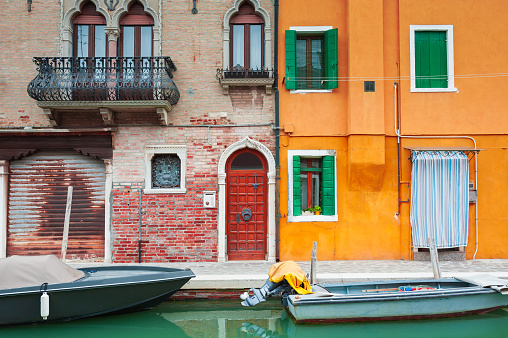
(439, 198)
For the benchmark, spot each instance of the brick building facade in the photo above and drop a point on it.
(147, 135)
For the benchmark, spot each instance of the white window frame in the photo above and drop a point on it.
(310, 154)
(310, 30)
(150, 152)
(449, 52)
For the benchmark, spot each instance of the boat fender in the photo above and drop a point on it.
(44, 302)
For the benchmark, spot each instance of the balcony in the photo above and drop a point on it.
(245, 77)
(104, 84)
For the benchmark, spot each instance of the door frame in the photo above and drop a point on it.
(271, 173)
(245, 173)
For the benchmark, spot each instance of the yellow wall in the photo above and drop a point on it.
(372, 167)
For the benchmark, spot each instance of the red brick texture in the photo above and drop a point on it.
(174, 227)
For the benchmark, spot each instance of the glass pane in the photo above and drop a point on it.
(301, 63)
(238, 47)
(146, 40)
(128, 41)
(255, 47)
(310, 179)
(82, 47)
(246, 161)
(100, 41)
(318, 70)
(166, 171)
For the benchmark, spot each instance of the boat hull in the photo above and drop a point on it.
(357, 306)
(103, 290)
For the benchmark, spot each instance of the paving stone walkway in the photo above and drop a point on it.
(247, 274)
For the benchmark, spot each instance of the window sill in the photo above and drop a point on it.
(164, 191)
(313, 218)
(248, 82)
(434, 90)
(305, 91)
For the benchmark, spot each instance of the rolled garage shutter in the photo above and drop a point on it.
(37, 199)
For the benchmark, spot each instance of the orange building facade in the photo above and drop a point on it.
(409, 79)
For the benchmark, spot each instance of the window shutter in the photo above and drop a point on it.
(290, 59)
(297, 187)
(328, 185)
(332, 58)
(431, 68)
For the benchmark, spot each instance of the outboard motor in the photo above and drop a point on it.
(267, 290)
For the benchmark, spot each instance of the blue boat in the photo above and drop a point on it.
(384, 300)
(395, 300)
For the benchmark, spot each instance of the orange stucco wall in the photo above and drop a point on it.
(373, 166)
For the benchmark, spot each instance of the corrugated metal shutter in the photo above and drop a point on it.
(37, 200)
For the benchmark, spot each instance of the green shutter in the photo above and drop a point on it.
(328, 185)
(290, 59)
(332, 58)
(297, 187)
(431, 68)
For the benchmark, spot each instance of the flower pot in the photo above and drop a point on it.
(317, 212)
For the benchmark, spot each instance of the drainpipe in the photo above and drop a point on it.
(140, 210)
(277, 131)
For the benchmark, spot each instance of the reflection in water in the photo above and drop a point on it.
(230, 319)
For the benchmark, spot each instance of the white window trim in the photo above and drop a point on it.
(449, 51)
(310, 29)
(311, 218)
(150, 151)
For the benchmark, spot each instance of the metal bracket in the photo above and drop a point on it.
(111, 4)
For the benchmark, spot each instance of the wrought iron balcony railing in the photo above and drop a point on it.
(104, 79)
(246, 77)
(244, 73)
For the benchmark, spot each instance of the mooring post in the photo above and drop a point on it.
(434, 258)
(66, 223)
(313, 263)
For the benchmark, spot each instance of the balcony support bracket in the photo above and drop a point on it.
(247, 82)
(53, 117)
(163, 113)
(107, 116)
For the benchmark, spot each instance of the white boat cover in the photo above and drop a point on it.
(23, 271)
(487, 281)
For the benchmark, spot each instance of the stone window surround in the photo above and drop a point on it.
(150, 151)
(112, 25)
(267, 58)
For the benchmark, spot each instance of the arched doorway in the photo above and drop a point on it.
(246, 205)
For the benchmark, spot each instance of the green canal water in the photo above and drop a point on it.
(230, 319)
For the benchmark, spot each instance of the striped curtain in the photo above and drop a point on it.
(439, 198)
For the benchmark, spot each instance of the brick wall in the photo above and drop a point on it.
(24, 35)
(175, 227)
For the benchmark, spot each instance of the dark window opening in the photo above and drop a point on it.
(246, 44)
(246, 161)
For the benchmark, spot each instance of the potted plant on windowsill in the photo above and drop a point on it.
(308, 211)
(317, 210)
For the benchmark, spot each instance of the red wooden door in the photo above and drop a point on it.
(246, 206)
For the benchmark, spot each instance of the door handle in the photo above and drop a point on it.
(237, 217)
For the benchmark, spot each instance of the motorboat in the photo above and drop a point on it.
(36, 289)
(382, 300)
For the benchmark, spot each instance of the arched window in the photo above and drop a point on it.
(136, 33)
(89, 33)
(247, 39)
